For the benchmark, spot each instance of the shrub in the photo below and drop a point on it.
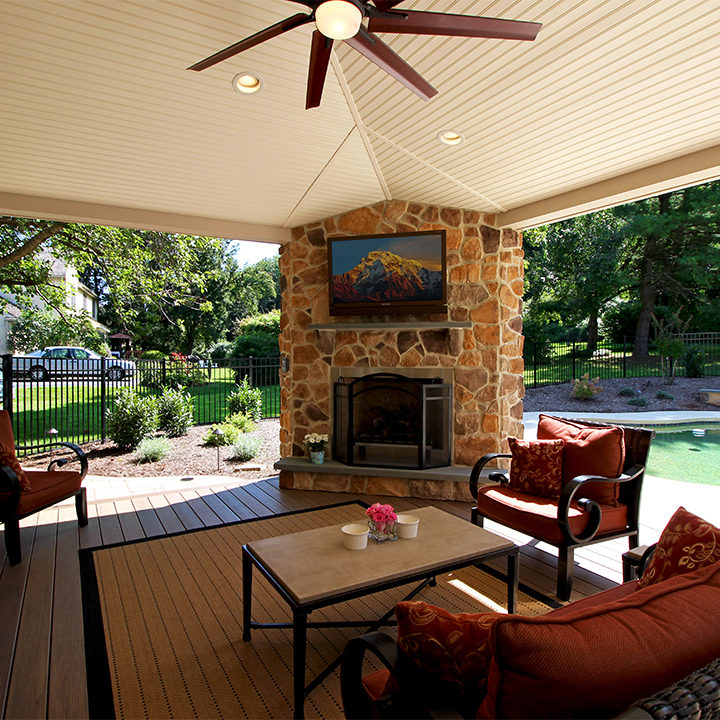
(183, 373)
(584, 388)
(153, 355)
(131, 418)
(152, 449)
(221, 350)
(245, 399)
(229, 434)
(639, 401)
(175, 411)
(694, 360)
(246, 447)
(627, 392)
(242, 422)
(662, 395)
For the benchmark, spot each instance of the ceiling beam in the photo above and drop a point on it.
(686, 171)
(32, 206)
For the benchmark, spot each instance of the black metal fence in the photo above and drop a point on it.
(72, 395)
(548, 363)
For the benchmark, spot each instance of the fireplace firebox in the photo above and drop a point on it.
(390, 420)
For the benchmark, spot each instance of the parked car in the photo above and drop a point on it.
(69, 361)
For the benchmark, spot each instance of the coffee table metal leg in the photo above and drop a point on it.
(513, 576)
(247, 593)
(299, 651)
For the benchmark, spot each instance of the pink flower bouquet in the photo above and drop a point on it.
(382, 522)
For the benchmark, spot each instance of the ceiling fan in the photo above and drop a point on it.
(342, 20)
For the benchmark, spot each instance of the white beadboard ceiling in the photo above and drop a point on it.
(100, 120)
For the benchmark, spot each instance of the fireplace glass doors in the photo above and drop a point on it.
(389, 420)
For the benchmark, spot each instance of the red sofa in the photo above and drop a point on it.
(589, 659)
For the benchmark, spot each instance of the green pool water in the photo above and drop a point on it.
(677, 454)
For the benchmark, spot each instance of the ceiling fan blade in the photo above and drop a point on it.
(430, 23)
(319, 60)
(238, 47)
(373, 48)
(385, 5)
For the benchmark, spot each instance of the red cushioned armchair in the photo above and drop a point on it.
(25, 492)
(602, 473)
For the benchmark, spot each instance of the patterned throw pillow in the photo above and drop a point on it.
(687, 543)
(537, 466)
(452, 650)
(8, 457)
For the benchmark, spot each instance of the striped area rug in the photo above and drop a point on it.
(163, 624)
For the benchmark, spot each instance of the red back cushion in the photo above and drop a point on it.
(7, 450)
(588, 451)
(687, 543)
(452, 649)
(596, 661)
(6, 433)
(537, 466)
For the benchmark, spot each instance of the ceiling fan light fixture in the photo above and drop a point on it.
(247, 83)
(338, 19)
(450, 137)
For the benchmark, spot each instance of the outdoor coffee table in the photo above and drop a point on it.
(311, 569)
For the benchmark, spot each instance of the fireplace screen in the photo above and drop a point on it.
(388, 420)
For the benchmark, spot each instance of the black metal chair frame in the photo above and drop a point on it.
(10, 484)
(637, 445)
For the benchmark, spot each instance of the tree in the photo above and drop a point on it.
(36, 329)
(137, 265)
(672, 246)
(573, 268)
(257, 289)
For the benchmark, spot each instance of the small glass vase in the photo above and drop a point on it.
(317, 457)
(385, 532)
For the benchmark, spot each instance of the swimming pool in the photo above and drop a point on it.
(677, 454)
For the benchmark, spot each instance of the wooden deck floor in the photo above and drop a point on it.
(42, 662)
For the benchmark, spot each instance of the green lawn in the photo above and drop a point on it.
(75, 409)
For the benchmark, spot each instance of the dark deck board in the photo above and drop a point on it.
(42, 664)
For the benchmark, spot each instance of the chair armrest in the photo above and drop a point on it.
(572, 493)
(478, 467)
(355, 699)
(79, 455)
(9, 484)
(646, 557)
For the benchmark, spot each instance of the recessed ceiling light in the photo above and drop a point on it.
(247, 83)
(450, 137)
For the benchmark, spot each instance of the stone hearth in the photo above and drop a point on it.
(479, 342)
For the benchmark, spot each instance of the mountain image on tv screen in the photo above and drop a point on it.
(397, 270)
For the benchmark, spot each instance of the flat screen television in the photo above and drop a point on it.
(393, 274)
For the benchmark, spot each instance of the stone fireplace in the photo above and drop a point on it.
(392, 420)
(476, 348)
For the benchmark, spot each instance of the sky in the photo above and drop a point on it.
(248, 252)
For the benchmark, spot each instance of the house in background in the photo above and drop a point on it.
(78, 297)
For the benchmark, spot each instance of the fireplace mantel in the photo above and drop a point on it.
(394, 325)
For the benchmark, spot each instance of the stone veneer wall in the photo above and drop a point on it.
(485, 282)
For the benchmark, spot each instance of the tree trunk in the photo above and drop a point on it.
(647, 289)
(592, 331)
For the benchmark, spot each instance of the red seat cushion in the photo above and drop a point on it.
(588, 451)
(47, 487)
(687, 543)
(451, 649)
(537, 466)
(595, 661)
(537, 516)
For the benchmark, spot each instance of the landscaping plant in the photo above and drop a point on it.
(694, 360)
(246, 447)
(175, 411)
(640, 401)
(584, 388)
(152, 449)
(245, 399)
(131, 418)
(627, 392)
(229, 433)
(662, 395)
